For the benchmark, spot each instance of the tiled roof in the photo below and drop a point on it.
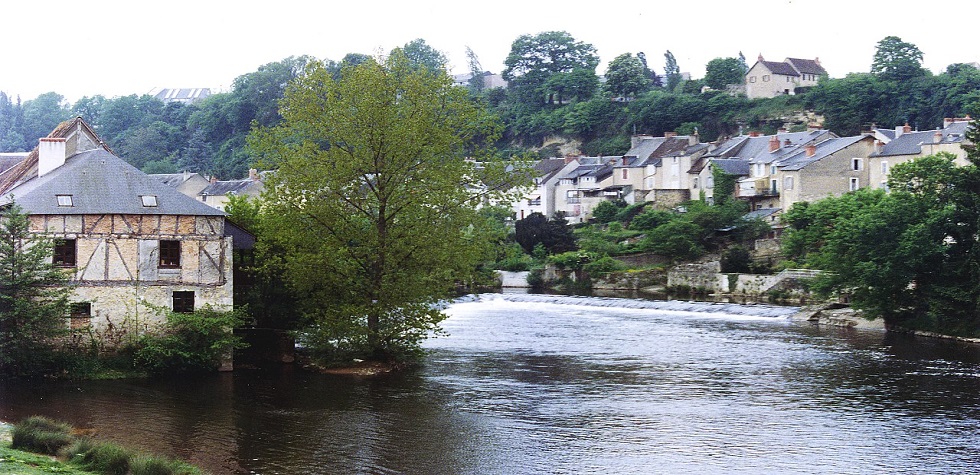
(102, 183)
(732, 166)
(784, 69)
(229, 187)
(807, 66)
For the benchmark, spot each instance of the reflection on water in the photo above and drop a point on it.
(544, 384)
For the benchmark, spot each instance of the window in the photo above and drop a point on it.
(184, 301)
(709, 182)
(626, 174)
(772, 169)
(65, 200)
(856, 164)
(694, 182)
(759, 169)
(64, 253)
(149, 201)
(752, 79)
(884, 167)
(788, 183)
(788, 79)
(80, 315)
(773, 186)
(855, 184)
(765, 78)
(169, 254)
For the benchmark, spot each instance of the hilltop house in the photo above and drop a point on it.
(187, 95)
(131, 243)
(771, 78)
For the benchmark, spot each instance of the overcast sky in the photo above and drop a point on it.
(117, 48)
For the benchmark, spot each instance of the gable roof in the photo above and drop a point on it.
(228, 187)
(784, 69)
(799, 160)
(78, 137)
(910, 143)
(807, 66)
(732, 166)
(101, 183)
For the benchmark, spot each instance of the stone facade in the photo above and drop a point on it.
(118, 269)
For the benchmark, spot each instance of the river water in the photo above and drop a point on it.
(565, 385)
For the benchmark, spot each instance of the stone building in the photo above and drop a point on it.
(771, 78)
(133, 245)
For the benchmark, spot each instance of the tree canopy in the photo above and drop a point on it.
(897, 60)
(370, 168)
(627, 76)
(720, 72)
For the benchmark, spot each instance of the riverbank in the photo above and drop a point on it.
(26, 463)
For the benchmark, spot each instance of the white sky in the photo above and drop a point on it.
(122, 47)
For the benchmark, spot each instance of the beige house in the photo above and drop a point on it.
(219, 192)
(671, 167)
(132, 244)
(542, 198)
(187, 183)
(903, 144)
(822, 169)
(771, 79)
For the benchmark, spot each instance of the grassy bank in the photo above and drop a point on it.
(39, 445)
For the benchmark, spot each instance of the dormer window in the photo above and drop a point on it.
(65, 200)
(149, 201)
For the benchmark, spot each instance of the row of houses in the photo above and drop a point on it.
(773, 171)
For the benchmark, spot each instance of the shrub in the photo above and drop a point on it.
(603, 265)
(40, 435)
(142, 464)
(103, 457)
(189, 342)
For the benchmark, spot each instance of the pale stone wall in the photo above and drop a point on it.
(829, 176)
(117, 263)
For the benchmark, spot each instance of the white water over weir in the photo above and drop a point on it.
(662, 306)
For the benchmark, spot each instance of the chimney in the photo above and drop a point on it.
(937, 137)
(670, 134)
(253, 174)
(624, 160)
(787, 143)
(898, 131)
(773, 144)
(695, 138)
(754, 133)
(636, 139)
(906, 128)
(811, 150)
(878, 145)
(761, 58)
(817, 60)
(51, 153)
(214, 179)
(569, 158)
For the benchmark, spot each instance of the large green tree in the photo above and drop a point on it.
(627, 76)
(720, 72)
(374, 200)
(33, 298)
(897, 60)
(534, 59)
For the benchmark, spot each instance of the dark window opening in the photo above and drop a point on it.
(184, 301)
(64, 253)
(169, 254)
(80, 315)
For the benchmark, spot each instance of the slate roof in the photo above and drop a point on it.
(171, 179)
(101, 183)
(761, 213)
(782, 68)
(228, 187)
(732, 166)
(807, 66)
(187, 95)
(910, 143)
(546, 168)
(799, 160)
(27, 168)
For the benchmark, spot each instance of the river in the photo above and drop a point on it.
(566, 385)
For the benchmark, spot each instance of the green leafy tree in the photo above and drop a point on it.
(533, 60)
(477, 82)
(33, 298)
(42, 114)
(627, 76)
(897, 60)
(607, 211)
(369, 169)
(554, 235)
(720, 72)
(420, 54)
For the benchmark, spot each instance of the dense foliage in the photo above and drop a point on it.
(369, 173)
(910, 255)
(33, 299)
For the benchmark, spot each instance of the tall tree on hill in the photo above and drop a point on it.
(533, 60)
(627, 76)
(720, 72)
(422, 55)
(897, 60)
(477, 80)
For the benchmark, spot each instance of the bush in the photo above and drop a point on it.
(142, 464)
(736, 259)
(102, 457)
(41, 435)
(602, 266)
(189, 342)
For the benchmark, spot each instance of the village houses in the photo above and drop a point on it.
(132, 244)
